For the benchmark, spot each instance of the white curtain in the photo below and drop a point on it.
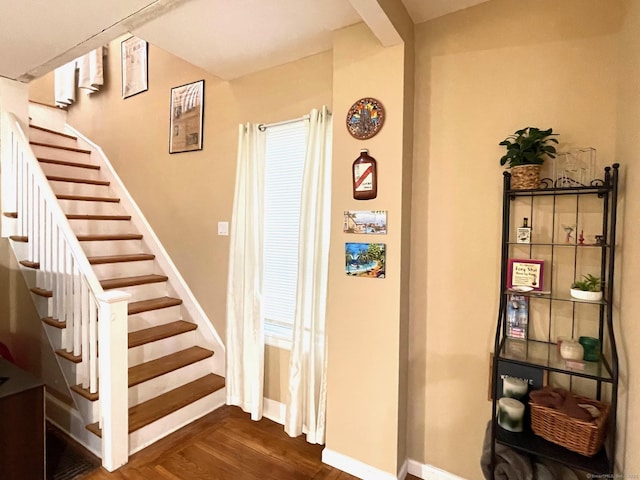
(245, 333)
(306, 402)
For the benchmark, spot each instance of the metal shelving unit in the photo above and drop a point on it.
(542, 353)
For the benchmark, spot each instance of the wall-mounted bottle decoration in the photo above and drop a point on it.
(365, 176)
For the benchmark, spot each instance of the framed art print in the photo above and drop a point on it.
(525, 273)
(135, 68)
(187, 110)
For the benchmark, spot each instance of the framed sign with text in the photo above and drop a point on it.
(525, 273)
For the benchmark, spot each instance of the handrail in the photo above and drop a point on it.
(78, 298)
(63, 267)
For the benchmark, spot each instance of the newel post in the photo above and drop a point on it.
(113, 383)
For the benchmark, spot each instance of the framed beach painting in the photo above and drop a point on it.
(365, 259)
(187, 110)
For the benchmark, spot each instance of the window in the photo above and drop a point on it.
(284, 167)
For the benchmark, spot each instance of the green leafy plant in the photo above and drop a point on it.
(528, 146)
(589, 283)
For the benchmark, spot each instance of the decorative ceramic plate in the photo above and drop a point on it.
(365, 118)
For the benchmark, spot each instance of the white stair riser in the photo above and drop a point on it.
(159, 385)
(92, 208)
(69, 370)
(40, 136)
(71, 188)
(90, 410)
(55, 335)
(145, 292)
(160, 348)
(100, 227)
(123, 269)
(43, 305)
(59, 154)
(45, 116)
(153, 318)
(178, 419)
(99, 248)
(69, 171)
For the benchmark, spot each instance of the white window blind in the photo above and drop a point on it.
(284, 168)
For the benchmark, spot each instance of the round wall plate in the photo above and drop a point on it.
(365, 118)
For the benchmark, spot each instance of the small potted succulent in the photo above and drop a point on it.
(589, 288)
(527, 149)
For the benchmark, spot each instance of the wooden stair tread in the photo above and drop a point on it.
(54, 323)
(11, 214)
(60, 147)
(56, 178)
(43, 129)
(86, 216)
(148, 412)
(169, 363)
(135, 257)
(67, 163)
(153, 304)
(30, 264)
(19, 238)
(85, 392)
(42, 292)
(132, 281)
(109, 236)
(87, 198)
(152, 334)
(69, 356)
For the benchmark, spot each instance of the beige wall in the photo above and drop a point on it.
(363, 315)
(481, 74)
(628, 130)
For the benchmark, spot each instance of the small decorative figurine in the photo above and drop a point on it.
(581, 238)
(599, 240)
(569, 230)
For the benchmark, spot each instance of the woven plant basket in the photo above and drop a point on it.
(525, 177)
(579, 436)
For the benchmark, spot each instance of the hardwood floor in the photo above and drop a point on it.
(227, 445)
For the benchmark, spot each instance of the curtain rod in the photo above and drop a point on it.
(263, 126)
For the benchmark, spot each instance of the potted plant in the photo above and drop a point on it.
(589, 288)
(527, 149)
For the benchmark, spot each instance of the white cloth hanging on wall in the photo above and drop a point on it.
(90, 73)
(65, 84)
(90, 77)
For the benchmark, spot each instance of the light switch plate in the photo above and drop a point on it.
(223, 228)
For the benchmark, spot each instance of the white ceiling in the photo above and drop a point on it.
(227, 38)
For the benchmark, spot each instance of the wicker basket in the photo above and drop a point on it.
(525, 176)
(576, 435)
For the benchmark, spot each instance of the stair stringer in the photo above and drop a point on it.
(191, 308)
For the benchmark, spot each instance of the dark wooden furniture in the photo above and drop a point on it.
(22, 425)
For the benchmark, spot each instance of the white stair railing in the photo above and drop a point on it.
(63, 268)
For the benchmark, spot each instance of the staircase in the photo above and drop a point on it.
(175, 359)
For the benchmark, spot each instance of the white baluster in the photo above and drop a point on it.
(77, 311)
(93, 344)
(84, 318)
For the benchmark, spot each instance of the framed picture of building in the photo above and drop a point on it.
(187, 112)
(135, 69)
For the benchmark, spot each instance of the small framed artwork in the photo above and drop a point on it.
(525, 274)
(365, 259)
(134, 54)
(187, 112)
(370, 221)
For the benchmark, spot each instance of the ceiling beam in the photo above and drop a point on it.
(388, 19)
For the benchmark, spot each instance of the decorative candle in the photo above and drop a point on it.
(510, 414)
(571, 350)
(513, 387)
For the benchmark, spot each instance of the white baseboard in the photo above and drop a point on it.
(429, 472)
(355, 467)
(275, 411)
